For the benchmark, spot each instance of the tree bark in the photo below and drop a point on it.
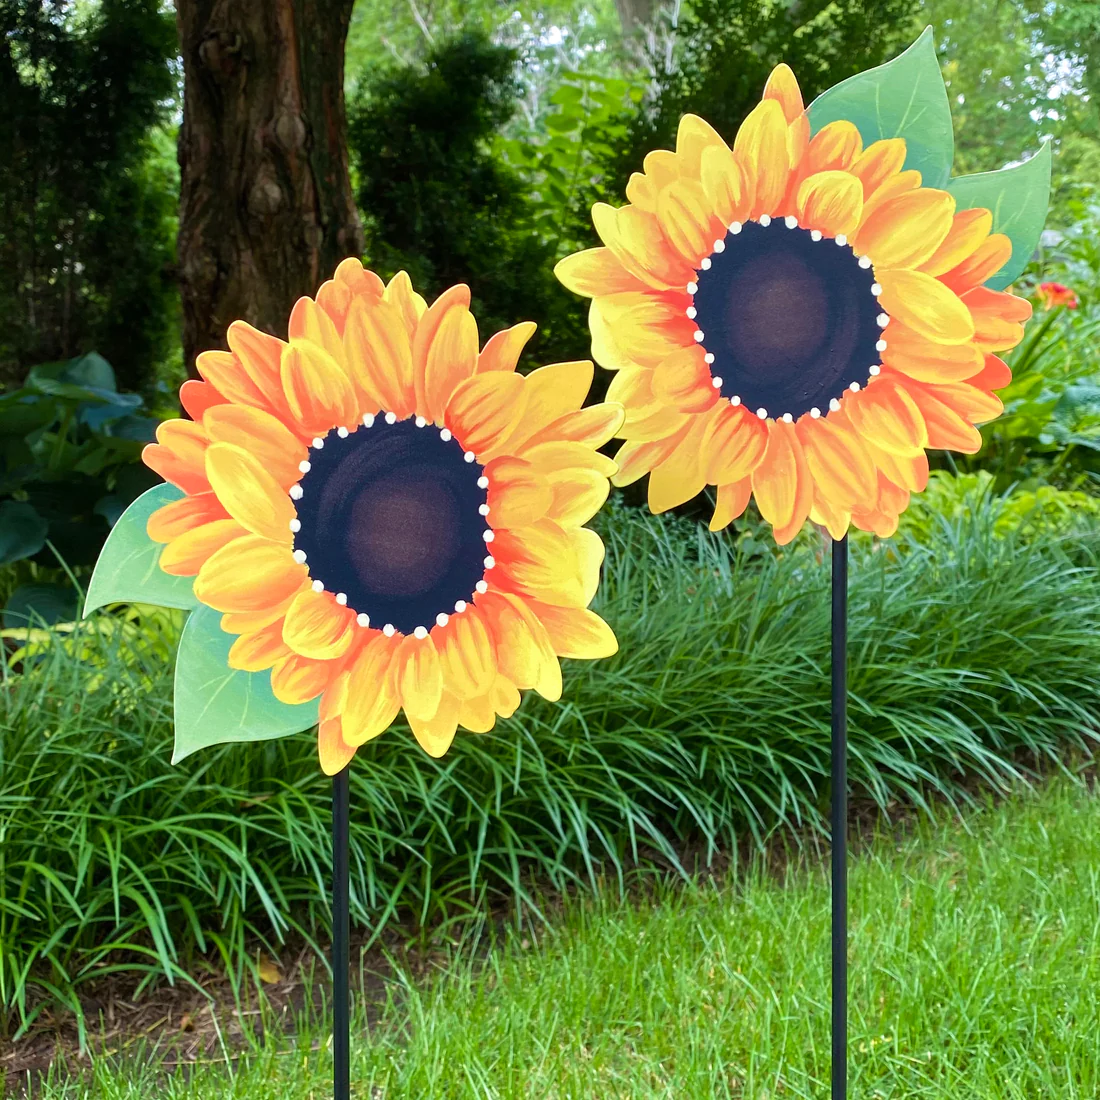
(266, 208)
(635, 15)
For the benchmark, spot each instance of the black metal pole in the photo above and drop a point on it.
(341, 1026)
(840, 818)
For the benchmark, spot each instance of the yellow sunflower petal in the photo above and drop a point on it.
(636, 240)
(187, 553)
(969, 228)
(551, 392)
(317, 626)
(484, 411)
(907, 230)
(732, 444)
(524, 652)
(372, 700)
(782, 86)
(977, 405)
(333, 752)
(502, 349)
(575, 632)
(596, 271)
(317, 390)
(683, 380)
(831, 202)
(436, 733)
(183, 515)
(555, 455)
(723, 179)
(578, 494)
(249, 574)
(637, 329)
(694, 136)
(262, 435)
(539, 560)
(410, 306)
(926, 306)
(732, 501)
(635, 459)
(248, 622)
(466, 655)
(427, 329)
(842, 470)
(259, 651)
(223, 371)
(886, 415)
(248, 492)
(835, 147)
(680, 477)
(451, 357)
(477, 715)
(592, 426)
(378, 354)
(311, 323)
(504, 697)
(761, 149)
(518, 494)
(781, 483)
(589, 551)
(830, 515)
(687, 221)
(928, 361)
(418, 677)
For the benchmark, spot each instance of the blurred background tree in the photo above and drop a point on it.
(87, 192)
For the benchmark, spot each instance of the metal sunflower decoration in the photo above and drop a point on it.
(799, 317)
(371, 517)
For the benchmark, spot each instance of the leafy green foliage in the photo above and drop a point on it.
(87, 206)
(439, 202)
(70, 445)
(971, 653)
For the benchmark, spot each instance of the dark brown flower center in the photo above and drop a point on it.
(392, 520)
(791, 318)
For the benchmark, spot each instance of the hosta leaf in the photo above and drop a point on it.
(215, 703)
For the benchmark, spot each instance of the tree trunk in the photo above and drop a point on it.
(266, 209)
(635, 15)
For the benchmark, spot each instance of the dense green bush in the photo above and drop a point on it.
(972, 652)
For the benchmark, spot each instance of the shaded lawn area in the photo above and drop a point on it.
(975, 958)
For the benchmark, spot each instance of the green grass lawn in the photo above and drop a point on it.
(975, 957)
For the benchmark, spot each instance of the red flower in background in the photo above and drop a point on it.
(1057, 294)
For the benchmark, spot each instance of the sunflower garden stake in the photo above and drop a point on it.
(375, 516)
(799, 318)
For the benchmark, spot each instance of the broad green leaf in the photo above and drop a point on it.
(215, 703)
(22, 531)
(904, 98)
(34, 604)
(1018, 198)
(128, 569)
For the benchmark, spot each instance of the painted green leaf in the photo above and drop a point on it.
(904, 98)
(1018, 198)
(128, 569)
(215, 703)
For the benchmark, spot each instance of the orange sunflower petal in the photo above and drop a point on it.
(179, 455)
(378, 354)
(518, 494)
(409, 305)
(260, 356)
(484, 411)
(575, 632)
(683, 380)
(982, 264)
(998, 318)
(187, 553)
(196, 397)
(877, 163)
(451, 357)
(947, 430)
(262, 435)
(994, 374)
(687, 220)
(927, 361)
(185, 514)
(842, 470)
(296, 679)
(317, 390)
(466, 654)
(732, 444)
(969, 228)
(525, 653)
(333, 752)
(311, 323)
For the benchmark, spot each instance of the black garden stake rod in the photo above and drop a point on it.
(341, 1027)
(840, 819)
